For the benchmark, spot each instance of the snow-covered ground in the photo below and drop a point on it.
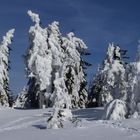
(16, 124)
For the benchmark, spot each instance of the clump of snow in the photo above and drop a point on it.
(115, 110)
(59, 118)
(35, 17)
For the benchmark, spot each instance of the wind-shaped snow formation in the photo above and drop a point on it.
(4, 67)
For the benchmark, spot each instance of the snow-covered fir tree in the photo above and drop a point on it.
(62, 101)
(110, 83)
(4, 68)
(39, 65)
(133, 78)
(95, 89)
(54, 41)
(115, 110)
(67, 49)
(75, 77)
(46, 55)
(21, 99)
(69, 77)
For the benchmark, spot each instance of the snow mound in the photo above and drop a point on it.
(115, 110)
(59, 118)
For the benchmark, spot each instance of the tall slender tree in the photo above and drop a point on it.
(133, 78)
(54, 41)
(75, 76)
(4, 68)
(62, 101)
(39, 65)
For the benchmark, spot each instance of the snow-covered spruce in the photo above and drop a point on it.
(63, 49)
(54, 41)
(75, 77)
(21, 99)
(115, 110)
(62, 102)
(133, 78)
(130, 105)
(39, 65)
(59, 118)
(4, 68)
(46, 55)
(110, 82)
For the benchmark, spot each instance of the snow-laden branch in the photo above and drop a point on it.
(8, 37)
(34, 17)
(78, 42)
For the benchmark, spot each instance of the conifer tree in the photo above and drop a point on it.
(39, 65)
(54, 41)
(75, 77)
(4, 68)
(133, 78)
(110, 83)
(21, 99)
(62, 101)
(48, 51)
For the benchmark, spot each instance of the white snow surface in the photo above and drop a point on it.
(31, 125)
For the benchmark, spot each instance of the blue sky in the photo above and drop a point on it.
(97, 22)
